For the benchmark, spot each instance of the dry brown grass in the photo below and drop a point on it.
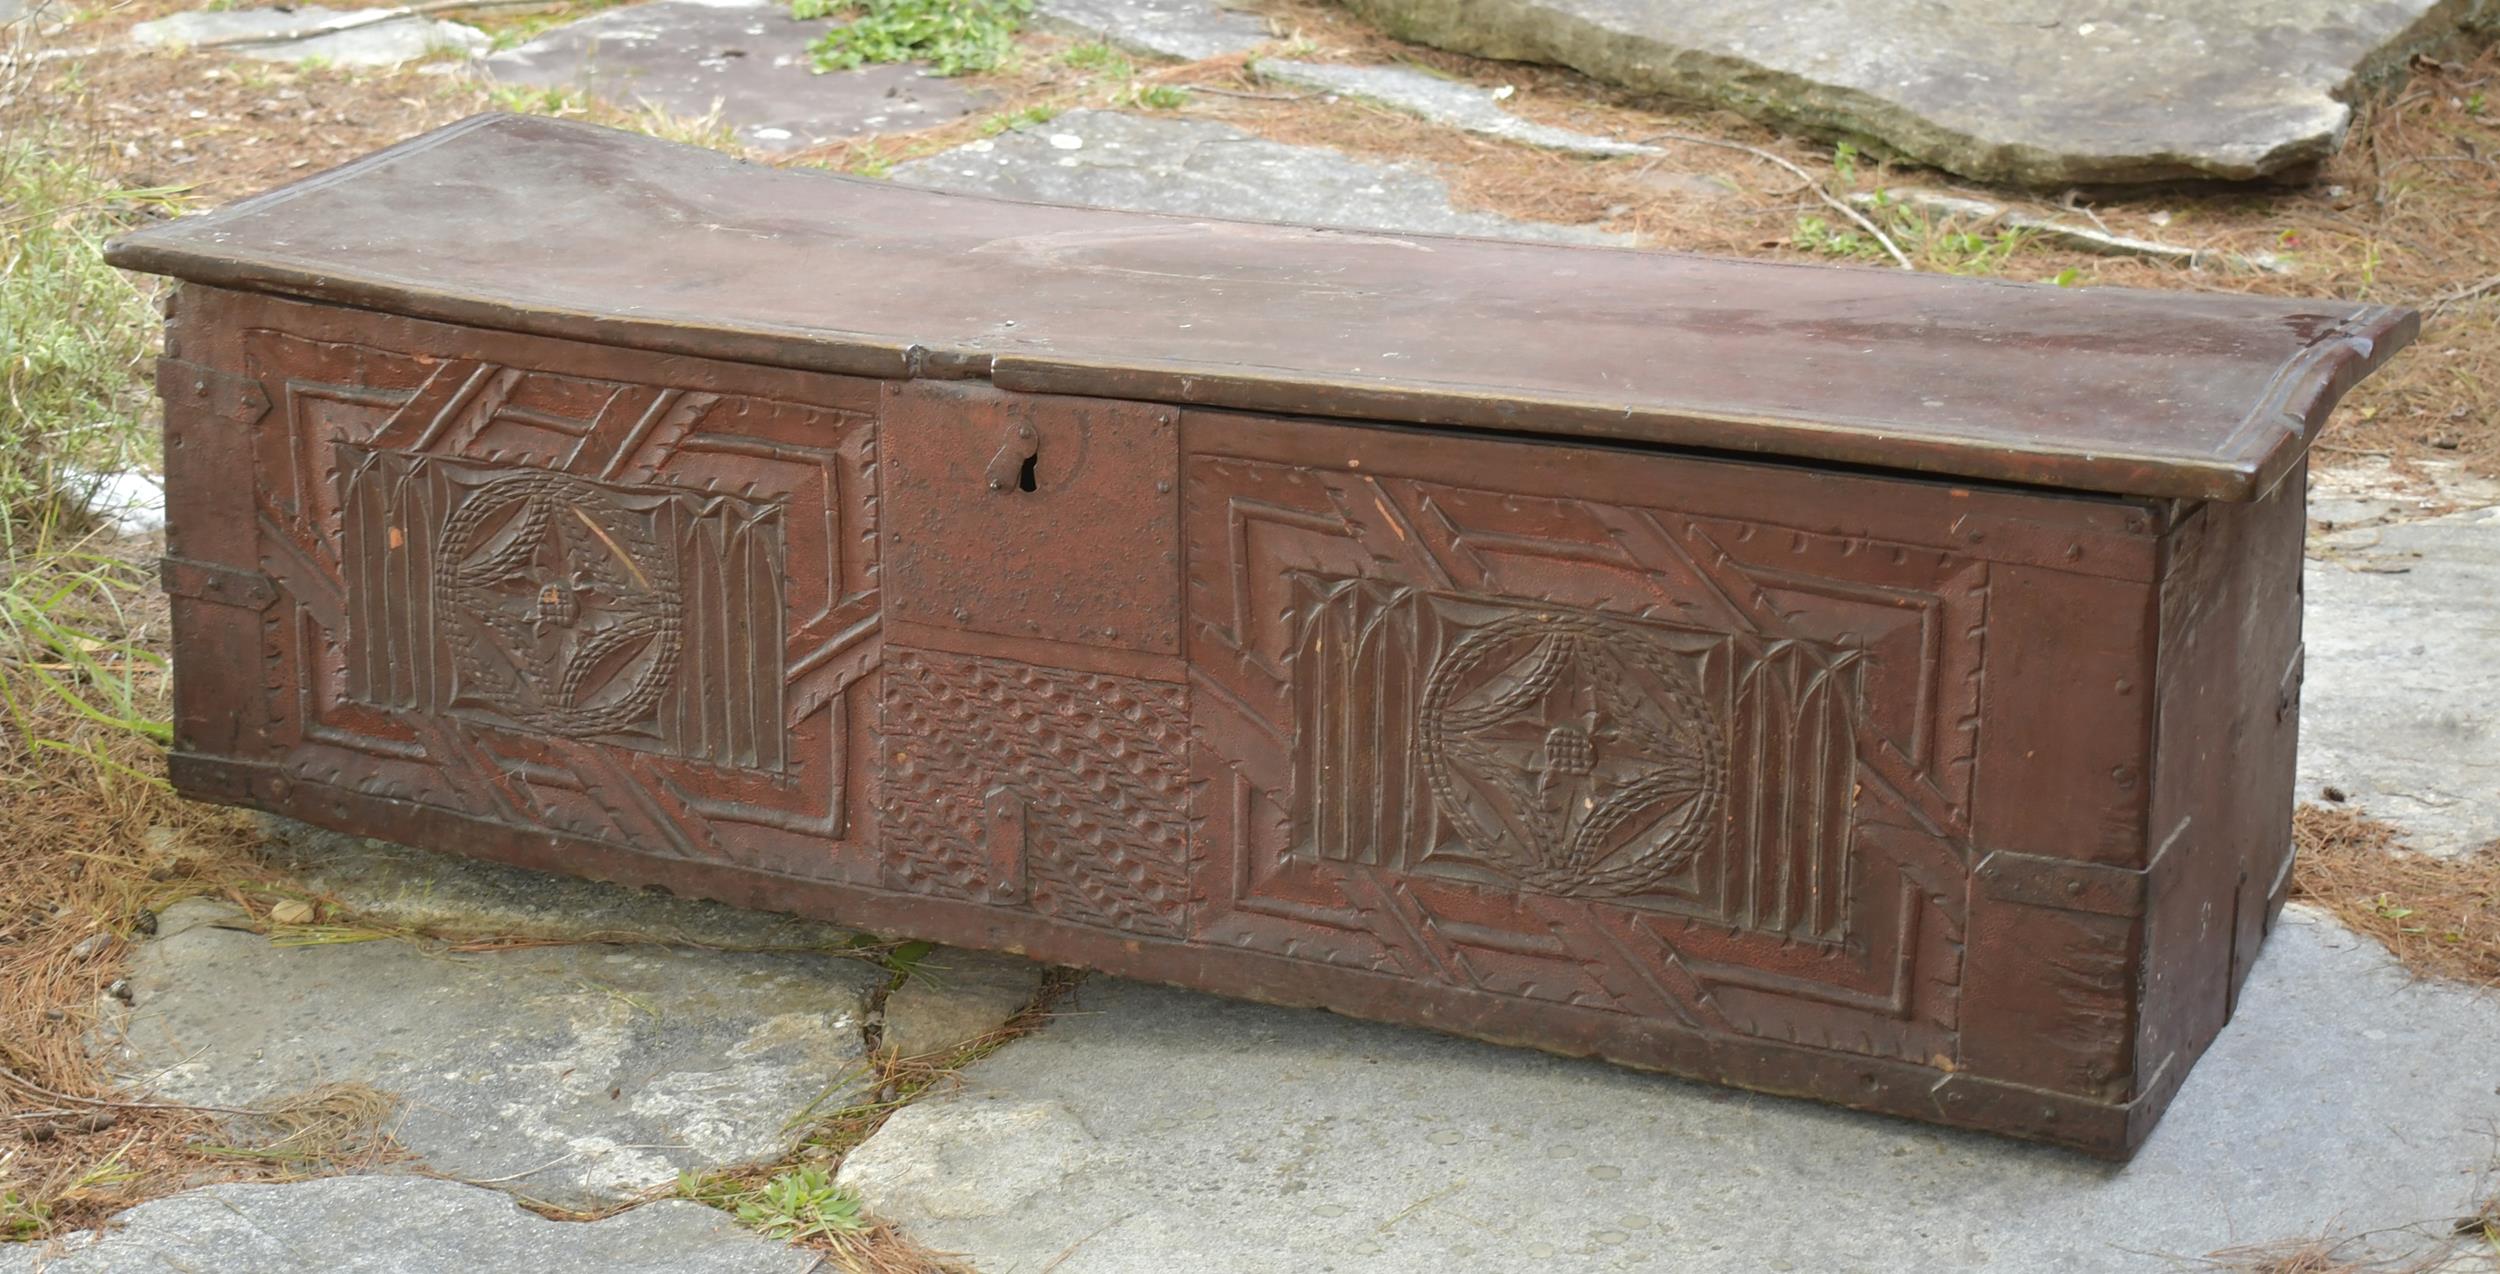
(2443, 1246)
(96, 844)
(2440, 916)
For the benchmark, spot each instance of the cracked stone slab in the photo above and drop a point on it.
(573, 1074)
(396, 885)
(747, 59)
(2035, 92)
(1189, 30)
(1150, 1129)
(380, 44)
(399, 1225)
(1456, 103)
(955, 997)
(1192, 167)
(2400, 699)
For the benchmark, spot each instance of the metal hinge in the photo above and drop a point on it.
(226, 397)
(217, 584)
(2063, 884)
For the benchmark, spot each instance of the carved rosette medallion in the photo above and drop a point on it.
(646, 616)
(563, 613)
(1573, 753)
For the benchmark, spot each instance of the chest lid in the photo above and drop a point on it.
(571, 230)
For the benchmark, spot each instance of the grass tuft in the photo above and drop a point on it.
(957, 37)
(75, 334)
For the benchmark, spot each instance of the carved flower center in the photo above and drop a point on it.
(1569, 751)
(557, 605)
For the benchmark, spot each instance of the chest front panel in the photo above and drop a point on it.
(1691, 763)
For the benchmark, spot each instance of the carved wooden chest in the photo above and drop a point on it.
(1872, 687)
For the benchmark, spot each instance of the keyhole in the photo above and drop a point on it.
(1024, 476)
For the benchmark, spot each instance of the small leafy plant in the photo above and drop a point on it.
(1155, 97)
(795, 1206)
(958, 37)
(1007, 120)
(1098, 57)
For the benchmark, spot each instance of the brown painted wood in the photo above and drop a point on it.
(535, 225)
(1961, 801)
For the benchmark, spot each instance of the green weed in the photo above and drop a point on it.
(1005, 120)
(871, 161)
(1816, 234)
(1935, 245)
(1155, 97)
(1101, 58)
(795, 1205)
(58, 607)
(958, 37)
(75, 338)
(553, 100)
(21, 1218)
(75, 334)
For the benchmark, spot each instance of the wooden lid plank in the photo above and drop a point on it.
(565, 229)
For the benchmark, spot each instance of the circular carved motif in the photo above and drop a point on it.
(562, 610)
(1572, 753)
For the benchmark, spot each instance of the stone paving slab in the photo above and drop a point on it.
(399, 1225)
(1188, 30)
(1149, 1129)
(745, 58)
(2400, 705)
(2369, 492)
(1460, 105)
(395, 885)
(380, 44)
(2033, 92)
(574, 1074)
(1202, 168)
(953, 998)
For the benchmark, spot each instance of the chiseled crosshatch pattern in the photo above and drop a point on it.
(619, 608)
(1617, 755)
(1016, 784)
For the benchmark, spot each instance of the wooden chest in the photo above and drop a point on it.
(1842, 683)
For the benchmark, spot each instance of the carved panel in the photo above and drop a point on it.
(547, 592)
(1576, 753)
(635, 615)
(1658, 760)
(1013, 784)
